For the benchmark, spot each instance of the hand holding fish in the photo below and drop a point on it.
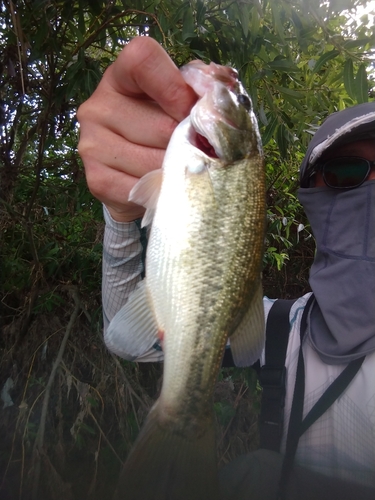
(127, 123)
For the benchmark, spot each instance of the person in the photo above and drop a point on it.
(125, 127)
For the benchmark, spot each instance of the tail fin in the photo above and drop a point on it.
(165, 465)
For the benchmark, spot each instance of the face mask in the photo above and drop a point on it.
(342, 277)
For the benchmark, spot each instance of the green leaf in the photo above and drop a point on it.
(188, 26)
(268, 133)
(290, 92)
(262, 115)
(324, 59)
(294, 103)
(296, 20)
(201, 11)
(283, 65)
(281, 140)
(276, 18)
(353, 44)
(255, 23)
(349, 80)
(361, 85)
(224, 412)
(244, 9)
(76, 32)
(81, 17)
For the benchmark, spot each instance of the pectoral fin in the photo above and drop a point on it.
(146, 193)
(133, 332)
(247, 342)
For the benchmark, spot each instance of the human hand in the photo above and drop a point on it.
(125, 126)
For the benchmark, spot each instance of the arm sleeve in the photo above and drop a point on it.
(124, 249)
(122, 264)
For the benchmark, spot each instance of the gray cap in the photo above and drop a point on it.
(351, 124)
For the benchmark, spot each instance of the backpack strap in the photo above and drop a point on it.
(297, 424)
(272, 375)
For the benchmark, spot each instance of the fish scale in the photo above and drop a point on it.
(202, 284)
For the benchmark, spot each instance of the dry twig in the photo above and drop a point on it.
(39, 440)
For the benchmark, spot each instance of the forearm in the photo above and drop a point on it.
(122, 264)
(123, 269)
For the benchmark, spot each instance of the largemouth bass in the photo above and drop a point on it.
(202, 285)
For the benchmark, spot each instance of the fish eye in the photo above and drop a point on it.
(245, 101)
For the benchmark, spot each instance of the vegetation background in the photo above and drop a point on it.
(69, 411)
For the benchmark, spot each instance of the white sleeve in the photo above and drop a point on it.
(123, 268)
(122, 264)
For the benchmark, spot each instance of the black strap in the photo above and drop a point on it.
(228, 361)
(332, 393)
(296, 412)
(298, 425)
(272, 375)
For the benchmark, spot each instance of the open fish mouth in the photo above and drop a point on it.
(201, 142)
(223, 108)
(204, 142)
(221, 121)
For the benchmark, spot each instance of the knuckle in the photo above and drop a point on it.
(85, 147)
(97, 184)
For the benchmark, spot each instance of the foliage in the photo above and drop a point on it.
(300, 60)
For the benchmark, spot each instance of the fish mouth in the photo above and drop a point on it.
(201, 142)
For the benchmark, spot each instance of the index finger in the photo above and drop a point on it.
(143, 67)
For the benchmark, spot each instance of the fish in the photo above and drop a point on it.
(207, 212)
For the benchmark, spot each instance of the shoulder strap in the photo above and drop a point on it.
(272, 375)
(297, 424)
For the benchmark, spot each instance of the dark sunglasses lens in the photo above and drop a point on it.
(345, 173)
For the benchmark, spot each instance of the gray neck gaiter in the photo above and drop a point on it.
(342, 277)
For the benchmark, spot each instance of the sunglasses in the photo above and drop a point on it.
(346, 172)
